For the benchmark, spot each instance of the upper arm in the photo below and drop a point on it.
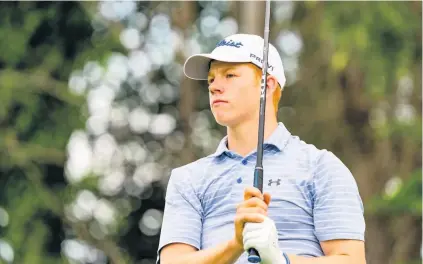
(182, 219)
(173, 250)
(338, 210)
(352, 248)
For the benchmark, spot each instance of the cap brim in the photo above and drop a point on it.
(196, 67)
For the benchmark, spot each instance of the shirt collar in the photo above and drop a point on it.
(278, 139)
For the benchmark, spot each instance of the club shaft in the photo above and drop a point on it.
(262, 113)
(253, 255)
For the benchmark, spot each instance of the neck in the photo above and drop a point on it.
(243, 138)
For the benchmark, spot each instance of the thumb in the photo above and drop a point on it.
(267, 198)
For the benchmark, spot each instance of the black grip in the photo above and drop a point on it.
(258, 178)
(253, 255)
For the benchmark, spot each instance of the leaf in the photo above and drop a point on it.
(406, 201)
(339, 60)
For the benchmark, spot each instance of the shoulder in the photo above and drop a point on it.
(301, 150)
(318, 159)
(191, 173)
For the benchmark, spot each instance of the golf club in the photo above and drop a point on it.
(253, 256)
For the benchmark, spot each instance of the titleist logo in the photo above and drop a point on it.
(229, 43)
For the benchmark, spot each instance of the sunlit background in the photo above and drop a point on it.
(151, 44)
(128, 116)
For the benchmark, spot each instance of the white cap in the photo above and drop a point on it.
(236, 48)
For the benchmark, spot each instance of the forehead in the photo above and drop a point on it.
(217, 66)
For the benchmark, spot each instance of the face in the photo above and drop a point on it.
(234, 93)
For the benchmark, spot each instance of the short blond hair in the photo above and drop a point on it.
(278, 92)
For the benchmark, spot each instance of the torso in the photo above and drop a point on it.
(288, 180)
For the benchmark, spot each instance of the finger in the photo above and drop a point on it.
(249, 218)
(252, 227)
(267, 198)
(261, 205)
(249, 243)
(247, 210)
(252, 241)
(254, 202)
(252, 192)
(251, 235)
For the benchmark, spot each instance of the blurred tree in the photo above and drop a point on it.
(250, 15)
(359, 76)
(183, 17)
(95, 112)
(42, 43)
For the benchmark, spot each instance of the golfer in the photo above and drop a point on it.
(310, 211)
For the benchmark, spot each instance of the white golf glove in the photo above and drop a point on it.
(264, 238)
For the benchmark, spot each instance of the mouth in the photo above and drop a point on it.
(218, 102)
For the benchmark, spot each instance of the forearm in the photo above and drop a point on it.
(336, 259)
(224, 253)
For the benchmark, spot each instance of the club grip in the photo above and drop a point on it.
(253, 256)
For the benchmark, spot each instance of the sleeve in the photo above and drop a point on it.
(338, 209)
(182, 219)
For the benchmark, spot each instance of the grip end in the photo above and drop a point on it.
(254, 259)
(253, 256)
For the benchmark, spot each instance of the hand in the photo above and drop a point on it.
(253, 209)
(263, 237)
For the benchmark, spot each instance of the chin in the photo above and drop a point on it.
(225, 120)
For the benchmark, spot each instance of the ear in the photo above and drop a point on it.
(272, 85)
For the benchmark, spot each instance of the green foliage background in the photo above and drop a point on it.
(355, 70)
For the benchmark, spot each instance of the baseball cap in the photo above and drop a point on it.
(236, 48)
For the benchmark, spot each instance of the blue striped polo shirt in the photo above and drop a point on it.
(314, 197)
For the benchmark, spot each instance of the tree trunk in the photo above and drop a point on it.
(250, 17)
(183, 16)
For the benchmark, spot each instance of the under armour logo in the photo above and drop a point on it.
(271, 181)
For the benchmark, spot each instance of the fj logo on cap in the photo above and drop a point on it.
(257, 58)
(229, 43)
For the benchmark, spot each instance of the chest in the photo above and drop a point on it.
(283, 178)
(289, 184)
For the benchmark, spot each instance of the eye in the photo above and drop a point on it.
(210, 80)
(230, 75)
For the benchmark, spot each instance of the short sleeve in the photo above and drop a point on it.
(338, 209)
(182, 219)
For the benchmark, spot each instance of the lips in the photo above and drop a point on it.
(218, 101)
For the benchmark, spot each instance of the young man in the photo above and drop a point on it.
(311, 211)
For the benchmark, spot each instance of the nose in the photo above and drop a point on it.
(216, 86)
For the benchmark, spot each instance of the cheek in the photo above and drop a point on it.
(252, 97)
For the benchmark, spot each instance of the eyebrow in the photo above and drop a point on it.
(223, 69)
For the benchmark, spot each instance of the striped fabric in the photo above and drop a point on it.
(314, 197)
